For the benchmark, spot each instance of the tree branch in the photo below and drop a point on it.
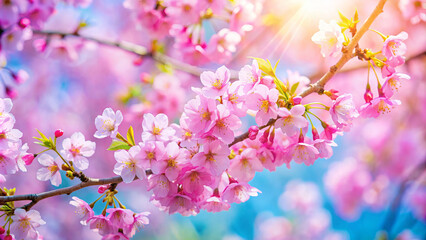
(396, 203)
(139, 51)
(319, 85)
(347, 55)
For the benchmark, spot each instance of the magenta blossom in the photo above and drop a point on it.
(171, 162)
(129, 164)
(343, 111)
(224, 125)
(290, 122)
(377, 106)
(215, 84)
(214, 157)
(244, 166)
(394, 48)
(392, 83)
(264, 101)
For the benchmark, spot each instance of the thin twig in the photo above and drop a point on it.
(396, 203)
(139, 51)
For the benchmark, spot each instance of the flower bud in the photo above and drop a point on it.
(264, 138)
(272, 136)
(368, 96)
(28, 158)
(331, 94)
(65, 167)
(297, 100)
(8, 237)
(145, 77)
(59, 133)
(103, 188)
(2, 230)
(70, 175)
(11, 93)
(20, 77)
(315, 134)
(138, 61)
(253, 131)
(24, 22)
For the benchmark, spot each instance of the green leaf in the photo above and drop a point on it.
(117, 145)
(265, 66)
(42, 135)
(131, 136)
(294, 88)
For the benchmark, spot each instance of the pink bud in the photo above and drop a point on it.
(301, 138)
(40, 44)
(11, 93)
(24, 22)
(138, 61)
(315, 134)
(145, 77)
(2, 230)
(8, 237)
(297, 100)
(20, 77)
(272, 136)
(103, 188)
(264, 137)
(253, 131)
(59, 133)
(28, 158)
(368, 96)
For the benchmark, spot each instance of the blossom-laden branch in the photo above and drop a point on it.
(348, 53)
(139, 50)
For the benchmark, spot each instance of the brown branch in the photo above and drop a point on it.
(359, 67)
(347, 55)
(139, 51)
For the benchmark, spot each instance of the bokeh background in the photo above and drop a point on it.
(70, 94)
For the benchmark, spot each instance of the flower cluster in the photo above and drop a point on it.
(13, 153)
(183, 20)
(120, 223)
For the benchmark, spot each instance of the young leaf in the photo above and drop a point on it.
(131, 136)
(294, 88)
(117, 145)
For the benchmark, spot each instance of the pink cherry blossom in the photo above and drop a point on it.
(201, 112)
(244, 166)
(250, 76)
(215, 84)
(83, 210)
(235, 98)
(160, 185)
(100, 224)
(414, 10)
(107, 123)
(215, 204)
(239, 192)
(183, 12)
(263, 100)
(129, 164)
(290, 122)
(214, 157)
(14, 38)
(5, 107)
(194, 180)
(303, 153)
(25, 223)
(330, 38)
(377, 106)
(222, 45)
(120, 218)
(77, 149)
(392, 83)
(156, 128)
(51, 169)
(139, 220)
(244, 16)
(224, 125)
(343, 111)
(150, 151)
(181, 204)
(7, 133)
(172, 161)
(8, 154)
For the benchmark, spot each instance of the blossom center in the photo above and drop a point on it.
(75, 151)
(265, 105)
(156, 131)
